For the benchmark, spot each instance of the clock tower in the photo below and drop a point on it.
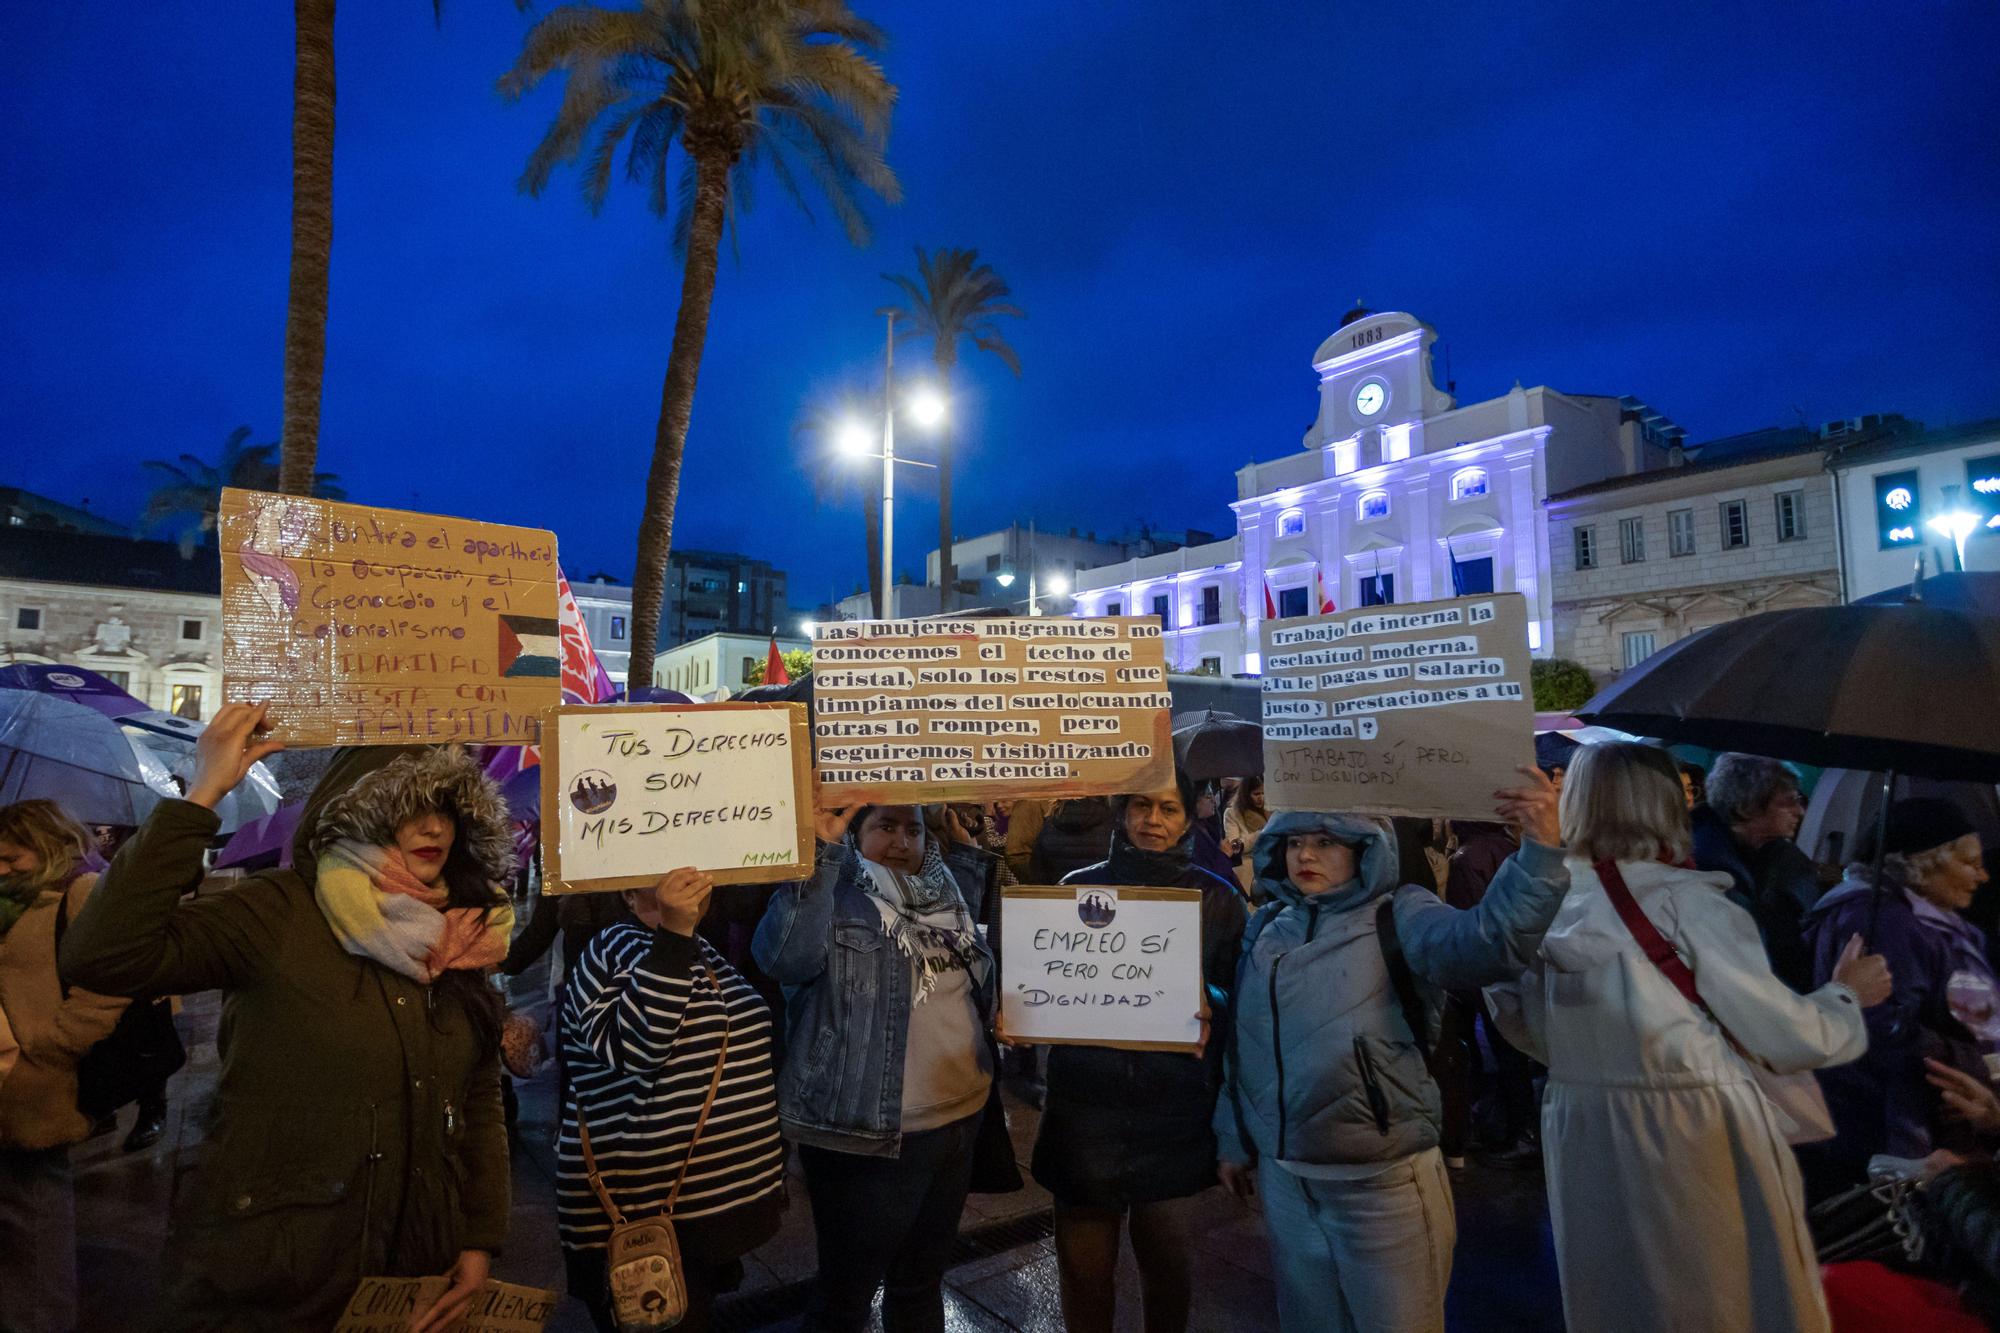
(1374, 371)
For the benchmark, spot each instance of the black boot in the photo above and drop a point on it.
(146, 1130)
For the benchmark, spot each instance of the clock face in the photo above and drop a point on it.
(1371, 398)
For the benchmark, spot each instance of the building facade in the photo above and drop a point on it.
(1399, 494)
(716, 666)
(1908, 493)
(1724, 530)
(711, 592)
(137, 612)
(606, 608)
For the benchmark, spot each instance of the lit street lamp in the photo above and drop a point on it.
(927, 405)
(1955, 523)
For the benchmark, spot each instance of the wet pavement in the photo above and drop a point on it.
(1005, 1277)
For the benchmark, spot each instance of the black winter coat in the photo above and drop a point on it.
(1124, 1127)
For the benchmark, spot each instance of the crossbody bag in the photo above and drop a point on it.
(1801, 1106)
(642, 1256)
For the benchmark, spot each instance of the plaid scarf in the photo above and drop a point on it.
(924, 916)
(379, 909)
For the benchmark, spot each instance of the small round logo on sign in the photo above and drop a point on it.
(1096, 910)
(65, 680)
(593, 792)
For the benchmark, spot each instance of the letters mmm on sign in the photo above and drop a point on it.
(379, 627)
(908, 711)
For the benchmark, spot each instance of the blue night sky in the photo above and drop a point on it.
(1736, 213)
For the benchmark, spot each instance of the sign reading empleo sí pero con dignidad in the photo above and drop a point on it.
(379, 627)
(1420, 709)
(1102, 965)
(966, 708)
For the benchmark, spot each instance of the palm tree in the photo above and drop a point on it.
(954, 296)
(312, 241)
(191, 490)
(834, 475)
(735, 83)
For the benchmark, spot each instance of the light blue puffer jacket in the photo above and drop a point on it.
(1322, 1067)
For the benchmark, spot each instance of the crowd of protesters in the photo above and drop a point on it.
(1669, 989)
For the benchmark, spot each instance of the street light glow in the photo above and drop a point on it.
(1005, 578)
(1957, 525)
(927, 407)
(855, 440)
(806, 628)
(1058, 585)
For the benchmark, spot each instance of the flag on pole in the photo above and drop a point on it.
(774, 665)
(584, 679)
(1326, 606)
(1270, 603)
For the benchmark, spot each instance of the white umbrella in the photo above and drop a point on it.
(169, 741)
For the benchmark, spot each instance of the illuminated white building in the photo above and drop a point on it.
(1400, 494)
(1902, 493)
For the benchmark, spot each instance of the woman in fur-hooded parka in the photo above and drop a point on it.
(357, 1127)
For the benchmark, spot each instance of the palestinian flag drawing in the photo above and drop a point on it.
(530, 646)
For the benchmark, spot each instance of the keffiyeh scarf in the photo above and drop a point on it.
(925, 918)
(379, 909)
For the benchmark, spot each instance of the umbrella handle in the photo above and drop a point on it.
(1881, 843)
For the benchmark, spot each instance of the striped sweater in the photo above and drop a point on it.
(641, 1028)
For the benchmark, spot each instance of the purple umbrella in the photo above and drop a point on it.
(72, 683)
(263, 842)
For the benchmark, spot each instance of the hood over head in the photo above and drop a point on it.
(370, 791)
(1377, 871)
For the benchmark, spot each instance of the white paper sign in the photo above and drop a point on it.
(633, 792)
(1102, 966)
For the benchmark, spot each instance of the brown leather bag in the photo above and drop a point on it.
(642, 1257)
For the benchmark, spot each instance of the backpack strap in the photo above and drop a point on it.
(1403, 981)
(1651, 942)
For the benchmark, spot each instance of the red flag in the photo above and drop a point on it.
(774, 665)
(1270, 606)
(584, 679)
(1326, 606)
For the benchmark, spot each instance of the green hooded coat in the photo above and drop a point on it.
(357, 1125)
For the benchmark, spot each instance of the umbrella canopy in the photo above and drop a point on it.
(171, 740)
(266, 841)
(1978, 593)
(1212, 745)
(53, 749)
(72, 683)
(1908, 688)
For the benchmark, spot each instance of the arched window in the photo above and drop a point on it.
(1292, 523)
(1467, 483)
(1371, 506)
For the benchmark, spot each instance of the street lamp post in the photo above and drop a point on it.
(889, 468)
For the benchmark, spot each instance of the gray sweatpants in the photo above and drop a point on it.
(1361, 1256)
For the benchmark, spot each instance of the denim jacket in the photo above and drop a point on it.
(847, 1001)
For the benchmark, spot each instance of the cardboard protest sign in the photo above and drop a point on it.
(378, 627)
(1102, 965)
(1419, 709)
(907, 711)
(388, 1304)
(630, 792)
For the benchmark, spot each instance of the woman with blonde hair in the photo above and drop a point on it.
(50, 1027)
(1675, 1200)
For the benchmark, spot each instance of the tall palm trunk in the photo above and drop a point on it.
(312, 243)
(871, 520)
(663, 483)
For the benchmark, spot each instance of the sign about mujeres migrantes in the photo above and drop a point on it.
(379, 627)
(1102, 965)
(963, 709)
(391, 1304)
(632, 791)
(1422, 709)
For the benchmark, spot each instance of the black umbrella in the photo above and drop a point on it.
(1212, 745)
(1908, 688)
